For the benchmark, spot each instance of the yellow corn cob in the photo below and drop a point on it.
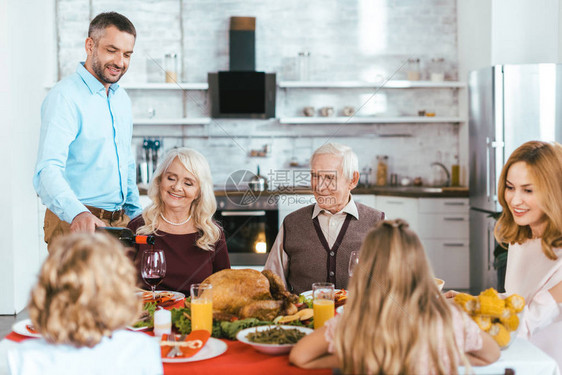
(500, 334)
(466, 302)
(515, 302)
(492, 306)
(484, 322)
(491, 292)
(511, 322)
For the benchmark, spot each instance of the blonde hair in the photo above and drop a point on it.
(349, 162)
(395, 309)
(544, 164)
(85, 290)
(202, 208)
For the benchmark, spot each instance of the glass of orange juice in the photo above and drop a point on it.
(202, 307)
(323, 303)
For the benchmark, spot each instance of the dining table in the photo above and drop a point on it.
(239, 358)
(522, 357)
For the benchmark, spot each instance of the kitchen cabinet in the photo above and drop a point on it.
(444, 232)
(442, 225)
(399, 208)
(367, 199)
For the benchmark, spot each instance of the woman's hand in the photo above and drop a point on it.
(450, 294)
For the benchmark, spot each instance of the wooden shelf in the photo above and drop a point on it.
(393, 84)
(173, 121)
(369, 120)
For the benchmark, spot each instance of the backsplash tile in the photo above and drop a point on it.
(367, 40)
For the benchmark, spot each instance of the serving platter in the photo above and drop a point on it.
(174, 296)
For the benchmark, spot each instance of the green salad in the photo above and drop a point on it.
(181, 319)
(147, 316)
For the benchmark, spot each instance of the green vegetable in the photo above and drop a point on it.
(276, 335)
(229, 330)
(149, 307)
(221, 329)
(299, 323)
(307, 300)
(180, 321)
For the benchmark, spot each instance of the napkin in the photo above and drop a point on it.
(192, 344)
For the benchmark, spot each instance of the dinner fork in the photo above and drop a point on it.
(176, 350)
(172, 353)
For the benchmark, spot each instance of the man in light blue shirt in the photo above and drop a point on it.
(85, 172)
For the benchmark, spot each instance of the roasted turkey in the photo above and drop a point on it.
(248, 293)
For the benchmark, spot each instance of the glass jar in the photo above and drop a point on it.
(382, 170)
(304, 66)
(413, 69)
(437, 69)
(171, 67)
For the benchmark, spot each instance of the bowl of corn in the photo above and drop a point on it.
(496, 315)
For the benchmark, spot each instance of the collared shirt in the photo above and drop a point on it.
(331, 224)
(85, 153)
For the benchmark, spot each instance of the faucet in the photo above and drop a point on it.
(448, 182)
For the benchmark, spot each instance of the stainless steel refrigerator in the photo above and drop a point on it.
(508, 105)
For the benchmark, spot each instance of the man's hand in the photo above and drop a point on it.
(85, 222)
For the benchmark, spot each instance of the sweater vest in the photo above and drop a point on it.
(310, 258)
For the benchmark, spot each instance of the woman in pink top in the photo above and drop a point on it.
(395, 320)
(530, 192)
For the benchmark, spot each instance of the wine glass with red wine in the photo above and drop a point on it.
(153, 268)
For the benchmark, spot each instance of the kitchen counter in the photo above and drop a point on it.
(399, 191)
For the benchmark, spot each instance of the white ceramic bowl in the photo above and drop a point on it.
(440, 283)
(273, 349)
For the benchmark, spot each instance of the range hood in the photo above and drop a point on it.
(242, 92)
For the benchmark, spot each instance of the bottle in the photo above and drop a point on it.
(304, 66)
(382, 170)
(171, 67)
(437, 69)
(127, 237)
(413, 69)
(455, 173)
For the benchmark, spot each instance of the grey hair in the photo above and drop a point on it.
(350, 163)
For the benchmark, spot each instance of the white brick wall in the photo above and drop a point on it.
(348, 40)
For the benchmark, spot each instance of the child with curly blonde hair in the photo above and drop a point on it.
(83, 300)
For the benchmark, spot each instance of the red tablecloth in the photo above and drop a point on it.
(238, 359)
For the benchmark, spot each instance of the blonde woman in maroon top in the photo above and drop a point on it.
(181, 218)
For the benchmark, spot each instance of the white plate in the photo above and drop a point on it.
(176, 296)
(308, 293)
(339, 310)
(131, 328)
(213, 348)
(269, 348)
(21, 329)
